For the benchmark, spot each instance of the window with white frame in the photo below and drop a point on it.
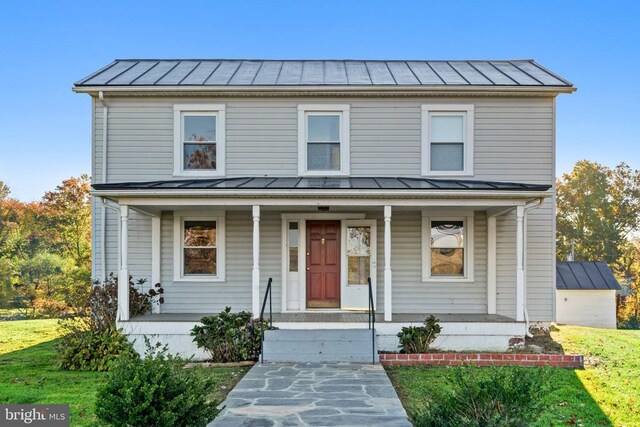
(199, 248)
(447, 243)
(199, 140)
(323, 140)
(447, 139)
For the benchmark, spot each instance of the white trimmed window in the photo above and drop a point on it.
(323, 140)
(447, 247)
(447, 140)
(199, 248)
(199, 139)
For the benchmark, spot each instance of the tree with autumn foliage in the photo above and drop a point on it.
(598, 217)
(45, 247)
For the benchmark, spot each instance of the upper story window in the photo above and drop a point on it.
(447, 140)
(323, 140)
(199, 140)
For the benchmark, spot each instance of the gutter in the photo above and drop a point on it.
(359, 193)
(336, 90)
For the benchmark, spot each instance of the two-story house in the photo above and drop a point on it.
(432, 179)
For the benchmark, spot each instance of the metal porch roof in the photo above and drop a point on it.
(330, 183)
(249, 72)
(585, 275)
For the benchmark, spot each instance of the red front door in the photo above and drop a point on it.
(323, 264)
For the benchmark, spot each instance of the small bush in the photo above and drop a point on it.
(487, 397)
(94, 350)
(230, 337)
(155, 391)
(417, 339)
(50, 308)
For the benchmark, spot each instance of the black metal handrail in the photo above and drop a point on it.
(267, 293)
(372, 321)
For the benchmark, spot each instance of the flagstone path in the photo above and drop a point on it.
(314, 394)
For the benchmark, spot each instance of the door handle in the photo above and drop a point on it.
(308, 268)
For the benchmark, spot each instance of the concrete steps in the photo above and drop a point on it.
(319, 345)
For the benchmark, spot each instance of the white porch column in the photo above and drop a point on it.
(155, 257)
(388, 307)
(255, 278)
(491, 265)
(520, 264)
(123, 276)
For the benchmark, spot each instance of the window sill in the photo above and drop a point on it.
(447, 174)
(204, 173)
(448, 279)
(199, 279)
(321, 174)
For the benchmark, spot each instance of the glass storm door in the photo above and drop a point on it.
(359, 263)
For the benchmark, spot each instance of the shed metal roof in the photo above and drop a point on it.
(249, 72)
(330, 183)
(585, 275)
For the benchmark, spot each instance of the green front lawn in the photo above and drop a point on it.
(29, 372)
(606, 392)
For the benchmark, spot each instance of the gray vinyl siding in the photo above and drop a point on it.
(513, 142)
(513, 137)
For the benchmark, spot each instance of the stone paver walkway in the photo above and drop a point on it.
(316, 394)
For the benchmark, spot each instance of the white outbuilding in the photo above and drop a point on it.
(586, 294)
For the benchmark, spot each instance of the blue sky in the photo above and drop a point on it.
(46, 46)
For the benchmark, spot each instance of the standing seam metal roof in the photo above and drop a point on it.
(249, 72)
(585, 275)
(323, 183)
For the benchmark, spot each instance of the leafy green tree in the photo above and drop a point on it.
(597, 209)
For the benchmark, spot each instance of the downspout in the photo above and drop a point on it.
(528, 207)
(103, 180)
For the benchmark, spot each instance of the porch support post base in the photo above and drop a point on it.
(388, 308)
(123, 277)
(255, 275)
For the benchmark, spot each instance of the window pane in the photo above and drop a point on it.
(359, 270)
(358, 241)
(447, 157)
(293, 260)
(200, 261)
(199, 156)
(447, 128)
(199, 233)
(447, 234)
(447, 262)
(323, 128)
(199, 128)
(323, 157)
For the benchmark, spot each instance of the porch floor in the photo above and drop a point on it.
(338, 317)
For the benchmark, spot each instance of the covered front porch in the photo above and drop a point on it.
(458, 254)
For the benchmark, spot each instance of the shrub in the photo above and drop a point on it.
(417, 339)
(230, 337)
(93, 350)
(50, 308)
(155, 391)
(486, 397)
(91, 341)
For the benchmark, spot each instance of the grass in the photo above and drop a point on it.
(29, 372)
(605, 393)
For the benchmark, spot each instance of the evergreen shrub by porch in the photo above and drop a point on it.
(230, 337)
(472, 396)
(417, 339)
(94, 350)
(155, 391)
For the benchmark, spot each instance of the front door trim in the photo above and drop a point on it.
(302, 249)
